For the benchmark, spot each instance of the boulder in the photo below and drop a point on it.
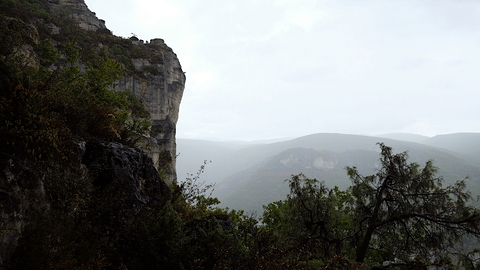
(115, 163)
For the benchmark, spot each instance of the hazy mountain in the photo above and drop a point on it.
(265, 182)
(408, 137)
(249, 176)
(192, 154)
(465, 143)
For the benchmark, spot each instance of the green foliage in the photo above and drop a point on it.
(43, 109)
(153, 240)
(312, 218)
(407, 205)
(194, 197)
(52, 93)
(215, 238)
(133, 129)
(25, 9)
(136, 106)
(401, 216)
(54, 90)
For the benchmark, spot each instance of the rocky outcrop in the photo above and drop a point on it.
(113, 163)
(157, 79)
(24, 53)
(102, 190)
(161, 90)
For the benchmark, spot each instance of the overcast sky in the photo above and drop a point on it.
(263, 69)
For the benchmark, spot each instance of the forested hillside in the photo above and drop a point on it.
(75, 192)
(251, 175)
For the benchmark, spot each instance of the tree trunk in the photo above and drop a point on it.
(362, 249)
(372, 225)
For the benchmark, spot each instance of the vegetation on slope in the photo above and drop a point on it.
(52, 95)
(399, 218)
(54, 92)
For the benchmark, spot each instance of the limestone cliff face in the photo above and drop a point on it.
(161, 90)
(158, 80)
(106, 189)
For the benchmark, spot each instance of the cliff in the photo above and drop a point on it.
(70, 188)
(155, 76)
(161, 93)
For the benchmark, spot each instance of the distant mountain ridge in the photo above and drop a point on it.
(464, 143)
(249, 176)
(408, 137)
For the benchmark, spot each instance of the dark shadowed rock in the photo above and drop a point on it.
(22, 200)
(134, 170)
(105, 185)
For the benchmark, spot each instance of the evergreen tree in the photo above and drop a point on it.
(403, 213)
(401, 216)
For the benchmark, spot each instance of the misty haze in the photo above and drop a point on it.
(253, 134)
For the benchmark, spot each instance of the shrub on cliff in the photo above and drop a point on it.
(48, 98)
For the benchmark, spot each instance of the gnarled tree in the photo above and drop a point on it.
(403, 213)
(399, 217)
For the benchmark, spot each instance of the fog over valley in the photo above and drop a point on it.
(253, 134)
(249, 175)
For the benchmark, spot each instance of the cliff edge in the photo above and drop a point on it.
(79, 163)
(154, 75)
